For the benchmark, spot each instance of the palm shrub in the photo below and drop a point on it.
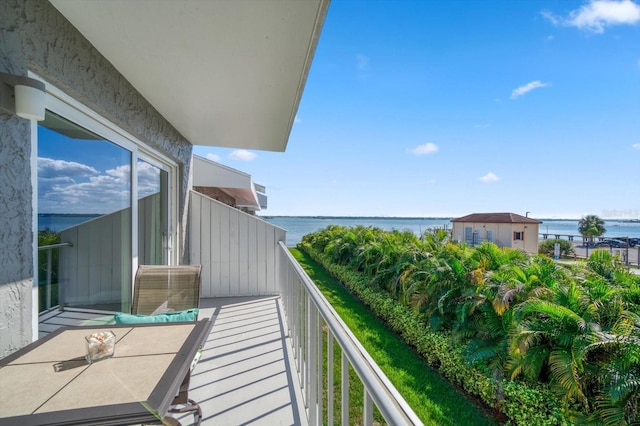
(512, 319)
(547, 247)
(591, 226)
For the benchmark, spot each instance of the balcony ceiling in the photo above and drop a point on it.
(223, 73)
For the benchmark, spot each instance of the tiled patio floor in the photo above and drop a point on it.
(246, 375)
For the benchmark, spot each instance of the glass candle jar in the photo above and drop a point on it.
(100, 346)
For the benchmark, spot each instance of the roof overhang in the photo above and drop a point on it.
(235, 183)
(223, 73)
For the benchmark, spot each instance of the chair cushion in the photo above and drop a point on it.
(180, 316)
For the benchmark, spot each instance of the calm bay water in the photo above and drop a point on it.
(297, 227)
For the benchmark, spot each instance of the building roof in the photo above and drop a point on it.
(235, 183)
(496, 218)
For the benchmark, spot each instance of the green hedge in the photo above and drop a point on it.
(521, 403)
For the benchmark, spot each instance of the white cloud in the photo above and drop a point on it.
(78, 188)
(242, 155)
(213, 157)
(50, 168)
(424, 149)
(527, 88)
(551, 17)
(596, 15)
(148, 179)
(121, 173)
(296, 119)
(70, 187)
(488, 178)
(636, 146)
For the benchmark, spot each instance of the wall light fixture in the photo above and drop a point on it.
(23, 96)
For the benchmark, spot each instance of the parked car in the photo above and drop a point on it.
(611, 242)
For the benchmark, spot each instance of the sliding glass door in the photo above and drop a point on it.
(107, 200)
(153, 211)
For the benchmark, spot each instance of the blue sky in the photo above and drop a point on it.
(445, 108)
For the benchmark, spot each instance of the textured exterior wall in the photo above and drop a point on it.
(35, 36)
(16, 236)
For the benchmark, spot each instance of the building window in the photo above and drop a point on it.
(109, 195)
(518, 236)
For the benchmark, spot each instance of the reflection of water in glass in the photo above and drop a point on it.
(58, 223)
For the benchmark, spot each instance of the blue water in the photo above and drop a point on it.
(59, 222)
(297, 227)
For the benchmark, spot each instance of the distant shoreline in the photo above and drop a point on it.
(70, 214)
(425, 218)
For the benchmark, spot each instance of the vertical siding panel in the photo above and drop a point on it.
(195, 232)
(103, 238)
(270, 259)
(204, 239)
(252, 256)
(225, 248)
(234, 245)
(243, 254)
(68, 266)
(240, 251)
(82, 284)
(264, 258)
(214, 242)
(117, 287)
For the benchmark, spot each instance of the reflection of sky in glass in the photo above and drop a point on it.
(148, 179)
(81, 175)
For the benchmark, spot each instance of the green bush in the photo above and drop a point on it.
(546, 247)
(521, 403)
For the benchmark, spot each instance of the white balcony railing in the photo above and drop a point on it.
(47, 302)
(308, 313)
(243, 255)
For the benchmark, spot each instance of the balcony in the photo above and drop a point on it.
(262, 362)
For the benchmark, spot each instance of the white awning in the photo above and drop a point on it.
(232, 182)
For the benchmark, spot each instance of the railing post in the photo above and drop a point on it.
(368, 408)
(329, 377)
(312, 365)
(314, 311)
(49, 261)
(345, 390)
(319, 371)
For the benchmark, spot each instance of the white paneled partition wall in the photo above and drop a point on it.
(238, 252)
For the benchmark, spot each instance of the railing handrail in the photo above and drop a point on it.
(52, 246)
(391, 404)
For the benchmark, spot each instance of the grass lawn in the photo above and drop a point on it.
(433, 399)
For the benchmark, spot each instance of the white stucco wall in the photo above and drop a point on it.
(35, 37)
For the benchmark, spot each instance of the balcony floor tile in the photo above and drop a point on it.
(246, 374)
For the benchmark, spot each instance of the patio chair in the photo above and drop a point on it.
(162, 289)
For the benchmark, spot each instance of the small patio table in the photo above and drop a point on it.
(49, 381)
